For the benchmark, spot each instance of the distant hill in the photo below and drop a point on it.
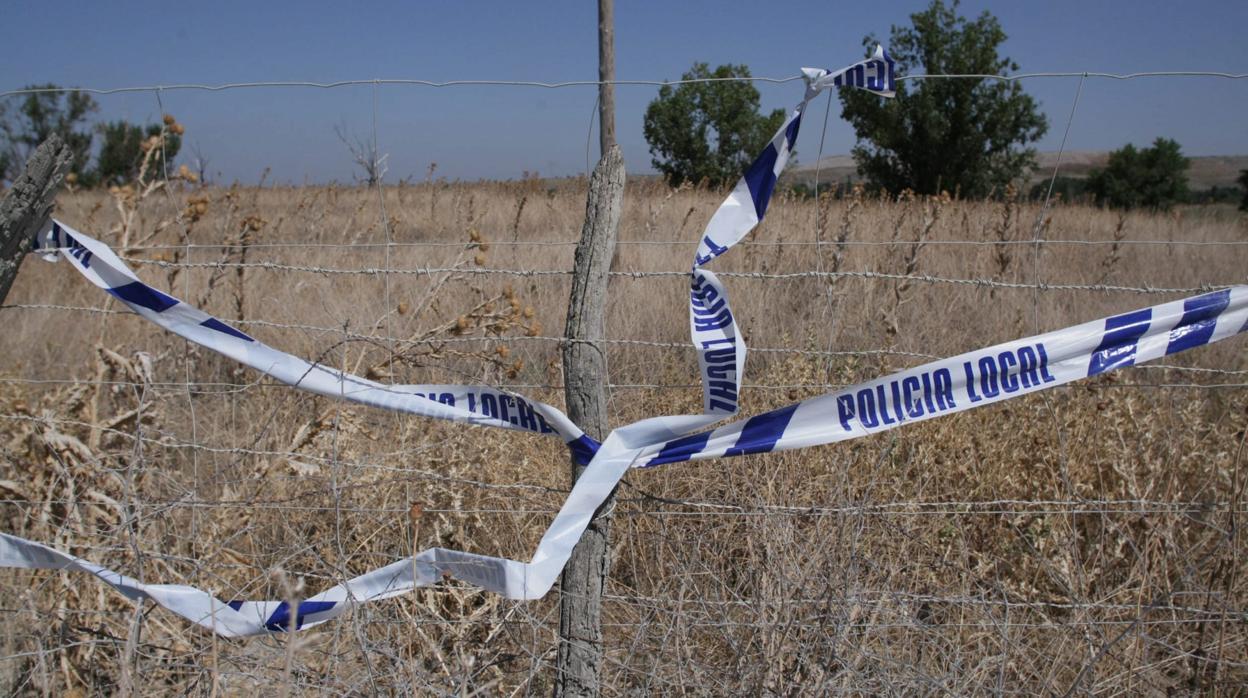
(1205, 171)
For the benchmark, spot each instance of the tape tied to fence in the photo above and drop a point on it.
(970, 380)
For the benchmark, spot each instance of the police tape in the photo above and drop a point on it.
(461, 403)
(721, 348)
(974, 379)
(942, 387)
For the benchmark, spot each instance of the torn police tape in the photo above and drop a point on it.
(963, 382)
(721, 348)
(942, 387)
(461, 403)
(973, 379)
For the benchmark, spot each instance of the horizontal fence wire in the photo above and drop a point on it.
(763, 276)
(865, 596)
(370, 82)
(953, 508)
(690, 243)
(629, 343)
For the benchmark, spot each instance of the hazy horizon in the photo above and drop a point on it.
(500, 132)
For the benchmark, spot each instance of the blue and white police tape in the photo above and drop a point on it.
(461, 403)
(720, 346)
(963, 382)
(943, 387)
(973, 379)
(510, 578)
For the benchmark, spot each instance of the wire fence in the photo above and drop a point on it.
(1082, 540)
(375, 82)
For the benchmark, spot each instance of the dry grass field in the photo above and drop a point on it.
(1086, 539)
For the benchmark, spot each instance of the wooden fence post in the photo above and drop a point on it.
(606, 75)
(585, 383)
(579, 666)
(27, 205)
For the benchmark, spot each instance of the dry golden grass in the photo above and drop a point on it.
(1003, 550)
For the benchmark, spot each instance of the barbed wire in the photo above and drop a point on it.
(348, 334)
(207, 388)
(509, 339)
(171, 441)
(415, 82)
(690, 243)
(1130, 507)
(754, 275)
(879, 596)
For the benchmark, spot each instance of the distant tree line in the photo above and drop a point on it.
(968, 137)
(1153, 178)
(123, 146)
(1075, 189)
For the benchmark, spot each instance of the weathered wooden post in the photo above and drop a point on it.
(585, 380)
(585, 383)
(27, 205)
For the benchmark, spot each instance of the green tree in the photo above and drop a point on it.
(708, 130)
(1153, 178)
(1243, 182)
(1068, 189)
(40, 114)
(959, 135)
(125, 146)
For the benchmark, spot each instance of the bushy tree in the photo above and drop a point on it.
(126, 145)
(708, 131)
(1153, 177)
(1243, 182)
(958, 135)
(38, 115)
(1066, 188)
(1215, 195)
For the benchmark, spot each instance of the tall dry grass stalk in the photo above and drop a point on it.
(1013, 549)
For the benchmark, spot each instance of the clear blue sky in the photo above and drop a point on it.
(499, 132)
